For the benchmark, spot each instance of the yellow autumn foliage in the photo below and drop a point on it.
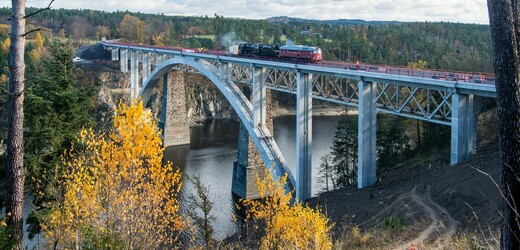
(5, 29)
(34, 55)
(421, 64)
(38, 40)
(6, 44)
(117, 192)
(287, 226)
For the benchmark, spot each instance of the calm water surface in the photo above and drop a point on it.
(213, 150)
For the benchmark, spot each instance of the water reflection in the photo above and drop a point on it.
(213, 149)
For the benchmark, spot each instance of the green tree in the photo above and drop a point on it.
(199, 210)
(435, 136)
(57, 108)
(345, 152)
(393, 141)
(326, 172)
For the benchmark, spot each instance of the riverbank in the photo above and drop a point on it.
(317, 110)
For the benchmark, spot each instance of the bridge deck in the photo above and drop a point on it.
(483, 83)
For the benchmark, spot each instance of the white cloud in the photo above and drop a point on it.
(466, 11)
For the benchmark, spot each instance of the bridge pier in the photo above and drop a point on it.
(115, 54)
(174, 119)
(146, 67)
(303, 136)
(367, 127)
(249, 165)
(123, 60)
(462, 127)
(134, 74)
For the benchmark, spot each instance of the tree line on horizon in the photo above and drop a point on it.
(450, 46)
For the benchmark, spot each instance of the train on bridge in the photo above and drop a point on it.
(301, 53)
(313, 55)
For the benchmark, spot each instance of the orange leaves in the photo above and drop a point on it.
(117, 188)
(287, 227)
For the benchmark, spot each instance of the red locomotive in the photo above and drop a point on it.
(300, 52)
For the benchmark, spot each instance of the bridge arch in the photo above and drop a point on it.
(266, 145)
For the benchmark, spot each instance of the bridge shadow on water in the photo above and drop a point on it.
(213, 150)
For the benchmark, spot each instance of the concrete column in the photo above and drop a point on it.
(249, 165)
(462, 125)
(134, 74)
(224, 71)
(239, 185)
(174, 118)
(259, 89)
(115, 54)
(303, 136)
(367, 128)
(476, 109)
(160, 58)
(124, 60)
(146, 67)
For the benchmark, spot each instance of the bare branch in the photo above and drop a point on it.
(5, 90)
(512, 206)
(38, 11)
(31, 31)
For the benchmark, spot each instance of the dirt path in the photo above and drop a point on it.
(441, 228)
(433, 201)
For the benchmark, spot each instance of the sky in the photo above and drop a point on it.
(464, 11)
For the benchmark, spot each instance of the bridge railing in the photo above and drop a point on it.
(453, 76)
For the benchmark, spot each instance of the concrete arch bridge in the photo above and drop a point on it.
(418, 94)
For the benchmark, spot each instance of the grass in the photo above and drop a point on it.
(212, 37)
(379, 237)
(472, 241)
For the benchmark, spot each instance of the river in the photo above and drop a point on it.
(213, 150)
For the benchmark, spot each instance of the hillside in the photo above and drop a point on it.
(286, 19)
(435, 205)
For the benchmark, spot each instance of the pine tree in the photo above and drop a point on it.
(393, 141)
(326, 172)
(15, 140)
(56, 109)
(345, 152)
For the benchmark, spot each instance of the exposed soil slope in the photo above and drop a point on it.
(435, 201)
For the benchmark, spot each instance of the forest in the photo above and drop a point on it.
(450, 46)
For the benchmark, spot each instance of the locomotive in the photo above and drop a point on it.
(285, 52)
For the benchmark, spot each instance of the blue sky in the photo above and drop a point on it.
(465, 11)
